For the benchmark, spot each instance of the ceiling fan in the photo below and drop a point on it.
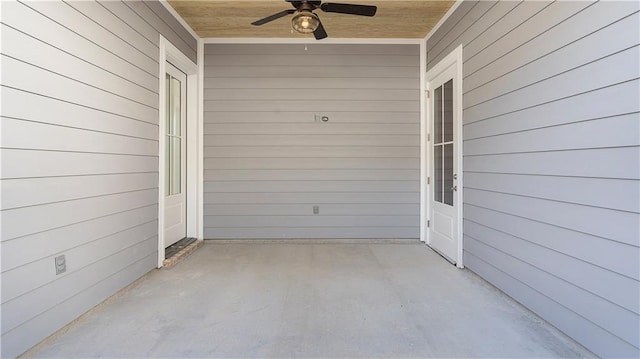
(305, 21)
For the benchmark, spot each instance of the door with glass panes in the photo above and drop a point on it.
(175, 212)
(443, 217)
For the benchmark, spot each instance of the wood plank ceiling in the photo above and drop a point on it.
(232, 19)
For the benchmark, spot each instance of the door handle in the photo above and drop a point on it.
(454, 188)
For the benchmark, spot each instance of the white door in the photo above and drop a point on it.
(444, 168)
(175, 209)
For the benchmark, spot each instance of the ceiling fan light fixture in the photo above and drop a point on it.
(305, 21)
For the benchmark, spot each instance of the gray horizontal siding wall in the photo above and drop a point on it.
(267, 162)
(551, 159)
(79, 156)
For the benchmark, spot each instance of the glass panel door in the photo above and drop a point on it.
(443, 222)
(443, 181)
(173, 137)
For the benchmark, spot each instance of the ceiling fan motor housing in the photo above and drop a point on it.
(313, 3)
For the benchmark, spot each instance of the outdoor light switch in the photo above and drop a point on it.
(61, 264)
(316, 209)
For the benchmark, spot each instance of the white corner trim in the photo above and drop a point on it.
(162, 68)
(443, 19)
(177, 16)
(200, 194)
(310, 40)
(424, 192)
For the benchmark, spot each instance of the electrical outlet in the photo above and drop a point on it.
(61, 264)
(316, 209)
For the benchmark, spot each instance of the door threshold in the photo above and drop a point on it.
(315, 241)
(180, 250)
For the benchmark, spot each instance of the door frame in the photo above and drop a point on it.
(169, 52)
(454, 58)
(181, 197)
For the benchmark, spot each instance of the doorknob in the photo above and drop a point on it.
(454, 188)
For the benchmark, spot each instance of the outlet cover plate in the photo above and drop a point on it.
(61, 264)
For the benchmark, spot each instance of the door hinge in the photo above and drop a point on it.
(426, 92)
(428, 137)
(428, 223)
(428, 180)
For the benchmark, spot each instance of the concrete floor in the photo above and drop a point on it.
(295, 300)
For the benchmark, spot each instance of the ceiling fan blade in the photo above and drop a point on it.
(320, 33)
(364, 10)
(272, 17)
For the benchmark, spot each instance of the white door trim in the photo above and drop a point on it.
(453, 59)
(175, 203)
(168, 52)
